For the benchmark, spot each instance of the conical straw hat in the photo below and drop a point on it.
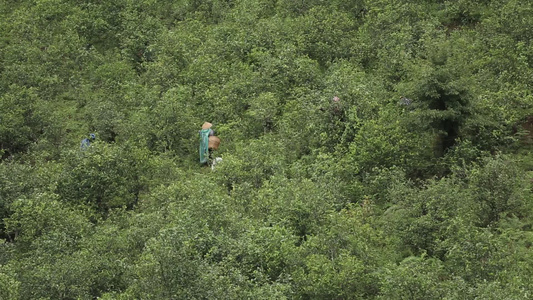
(207, 125)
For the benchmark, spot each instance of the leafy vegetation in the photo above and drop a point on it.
(371, 149)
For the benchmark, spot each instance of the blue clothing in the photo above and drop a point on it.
(204, 144)
(85, 143)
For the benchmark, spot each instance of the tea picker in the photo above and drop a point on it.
(208, 143)
(86, 142)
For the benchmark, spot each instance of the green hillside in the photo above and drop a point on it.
(372, 149)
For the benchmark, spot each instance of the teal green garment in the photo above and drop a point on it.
(204, 143)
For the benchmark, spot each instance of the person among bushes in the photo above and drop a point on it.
(86, 142)
(206, 152)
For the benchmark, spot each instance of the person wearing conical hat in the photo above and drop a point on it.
(205, 133)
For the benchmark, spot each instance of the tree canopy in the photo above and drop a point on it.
(371, 149)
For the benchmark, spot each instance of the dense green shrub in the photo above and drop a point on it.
(104, 176)
(371, 149)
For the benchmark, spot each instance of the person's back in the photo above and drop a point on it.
(205, 132)
(86, 142)
(205, 150)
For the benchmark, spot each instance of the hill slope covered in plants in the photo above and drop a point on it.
(371, 149)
